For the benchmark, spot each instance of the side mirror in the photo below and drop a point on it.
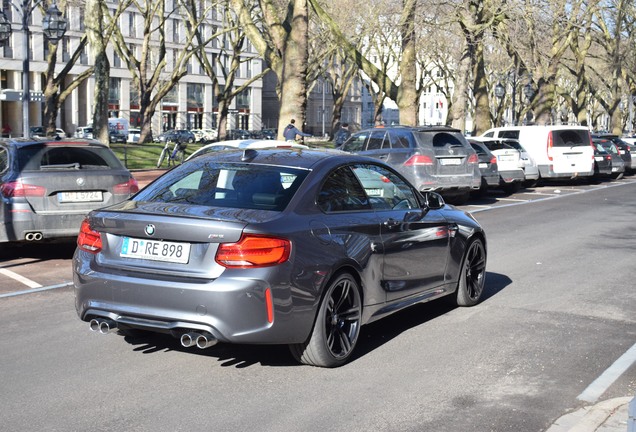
(433, 200)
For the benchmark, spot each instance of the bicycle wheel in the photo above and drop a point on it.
(163, 156)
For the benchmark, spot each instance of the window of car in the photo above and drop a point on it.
(47, 157)
(386, 190)
(570, 138)
(4, 159)
(514, 134)
(439, 139)
(401, 139)
(206, 183)
(355, 143)
(376, 141)
(342, 191)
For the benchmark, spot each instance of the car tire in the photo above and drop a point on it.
(337, 325)
(472, 278)
(510, 188)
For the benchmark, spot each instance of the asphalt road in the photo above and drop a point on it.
(558, 313)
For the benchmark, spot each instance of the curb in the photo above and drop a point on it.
(607, 416)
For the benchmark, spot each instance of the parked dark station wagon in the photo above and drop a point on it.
(47, 186)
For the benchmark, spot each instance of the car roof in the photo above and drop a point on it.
(248, 143)
(291, 157)
(424, 128)
(38, 141)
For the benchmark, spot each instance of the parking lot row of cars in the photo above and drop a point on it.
(441, 159)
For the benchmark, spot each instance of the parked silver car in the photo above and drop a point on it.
(282, 246)
(48, 186)
(433, 158)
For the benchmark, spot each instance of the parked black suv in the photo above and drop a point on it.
(433, 158)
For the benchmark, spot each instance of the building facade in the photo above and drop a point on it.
(190, 104)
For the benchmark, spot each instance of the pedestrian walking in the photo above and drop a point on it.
(291, 131)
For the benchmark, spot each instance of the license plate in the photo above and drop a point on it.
(450, 161)
(598, 158)
(505, 158)
(483, 165)
(83, 196)
(374, 192)
(172, 252)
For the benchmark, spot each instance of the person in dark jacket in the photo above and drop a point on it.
(343, 134)
(291, 131)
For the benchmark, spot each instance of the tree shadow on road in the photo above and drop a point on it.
(371, 337)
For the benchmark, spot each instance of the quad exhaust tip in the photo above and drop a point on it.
(33, 236)
(102, 325)
(201, 340)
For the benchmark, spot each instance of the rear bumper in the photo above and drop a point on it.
(17, 224)
(547, 171)
(232, 309)
(512, 176)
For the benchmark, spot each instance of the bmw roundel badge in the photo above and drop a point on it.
(150, 229)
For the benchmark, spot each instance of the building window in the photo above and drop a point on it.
(82, 18)
(132, 27)
(116, 60)
(243, 99)
(175, 31)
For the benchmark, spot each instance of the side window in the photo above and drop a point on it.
(514, 134)
(342, 192)
(400, 139)
(489, 134)
(386, 190)
(355, 143)
(4, 160)
(376, 140)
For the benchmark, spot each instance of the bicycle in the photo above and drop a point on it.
(174, 156)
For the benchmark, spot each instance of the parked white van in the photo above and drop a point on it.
(559, 151)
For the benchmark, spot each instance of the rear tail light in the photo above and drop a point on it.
(88, 239)
(18, 189)
(473, 159)
(128, 188)
(385, 179)
(253, 251)
(416, 160)
(550, 145)
(593, 146)
(493, 160)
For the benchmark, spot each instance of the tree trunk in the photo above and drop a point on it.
(457, 114)
(95, 31)
(480, 88)
(293, 97)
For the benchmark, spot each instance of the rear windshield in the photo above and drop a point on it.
(570, 138)
(205, 183)
(440, 139)
(61, 157)
(503, 145)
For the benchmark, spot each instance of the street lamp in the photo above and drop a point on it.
(53, 27)
(500, 92)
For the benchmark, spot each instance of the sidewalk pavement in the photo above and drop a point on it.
(144, 177)
(614, 415)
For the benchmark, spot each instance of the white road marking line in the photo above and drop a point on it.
(19, 278)
(607, 378)
(50, 287)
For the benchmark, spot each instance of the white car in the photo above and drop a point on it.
(205, 135)
(244, 144)
(133, 135)
(516, 167)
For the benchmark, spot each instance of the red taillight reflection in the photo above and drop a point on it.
(18, 189)
(418, 160)
(253, 251)
(128, 188)
(473, 159)
(88, 239)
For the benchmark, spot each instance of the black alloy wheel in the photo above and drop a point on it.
(337, 326)
(473, 274)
